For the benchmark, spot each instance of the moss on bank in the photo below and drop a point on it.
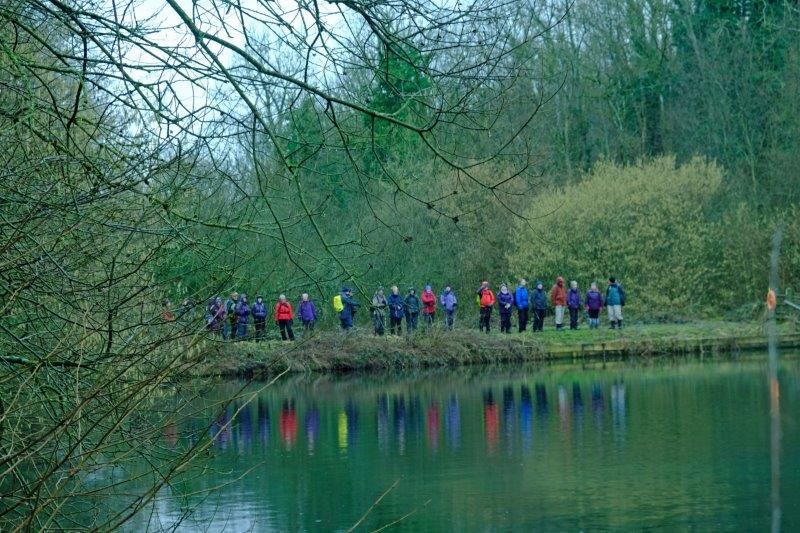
(335, 351)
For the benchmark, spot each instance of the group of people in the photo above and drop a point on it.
(409, 307)
(232, 317)
(560, 298)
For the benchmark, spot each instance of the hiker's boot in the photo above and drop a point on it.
(619, 324)
(613, 324)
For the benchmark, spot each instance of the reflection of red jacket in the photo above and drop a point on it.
(283, 311)
(428, 303)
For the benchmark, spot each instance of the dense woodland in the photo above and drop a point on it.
(285, 148)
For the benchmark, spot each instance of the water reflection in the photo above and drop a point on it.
(263, 421)
(618, 410)
(526, 418)
(432, 424)
(382, 423)
(577, 409)
(496, 441)
(288, 424)
(400, 421)
(453, 423)
(312, 428)
(399, 410)
(509, 417)
(491, 422)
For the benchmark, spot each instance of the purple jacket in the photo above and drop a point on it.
(594, 301)
(573, 299)
(448, 301)
(502, 300)
(242, 311)
(307, 310)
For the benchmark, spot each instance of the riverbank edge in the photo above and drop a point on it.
(336, 352)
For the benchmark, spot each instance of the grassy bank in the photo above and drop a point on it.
(334, 351)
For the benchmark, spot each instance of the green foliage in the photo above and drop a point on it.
(659, 229)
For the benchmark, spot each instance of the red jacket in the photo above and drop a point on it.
(428, 303)
(487, 298)
(283, 311)
(558, 294)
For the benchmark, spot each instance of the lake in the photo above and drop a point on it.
(681, 444)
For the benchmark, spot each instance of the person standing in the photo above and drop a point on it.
(215, 315)
(260, 317)
(349, 306)
(242, 317)
(308, 312)
(615, 301)
(486, 300)
(521, 302)
(284, 316)
(558, 297)
(229, 327)
(539, 306)
(379, 305)
(594, 303)
(573, 304)
(412, 310)
(505, 301)
(449, 302)
(428, 306)
(397, 310)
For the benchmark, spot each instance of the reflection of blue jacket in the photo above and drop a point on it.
(539, 299)
(397, 307)
(349, 307)
(521, 297)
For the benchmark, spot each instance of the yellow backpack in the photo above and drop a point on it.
(338, 306)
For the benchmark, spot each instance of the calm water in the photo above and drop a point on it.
(623, 446)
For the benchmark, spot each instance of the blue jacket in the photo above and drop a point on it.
(349, 307)
(615, 295)
(539, 299)
(448, 300)
(259, 310)
(521, 297)
(242, 311)
(397, 308)
(502, 300)
(573, 299)
(594, 300)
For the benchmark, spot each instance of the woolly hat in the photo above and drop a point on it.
(427, 287)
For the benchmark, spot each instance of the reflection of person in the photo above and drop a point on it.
(491, 422)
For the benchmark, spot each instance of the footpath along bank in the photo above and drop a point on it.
(352, 351)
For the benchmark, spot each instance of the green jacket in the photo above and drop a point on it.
(412, 303)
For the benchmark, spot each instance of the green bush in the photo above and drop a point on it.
(677, 243)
